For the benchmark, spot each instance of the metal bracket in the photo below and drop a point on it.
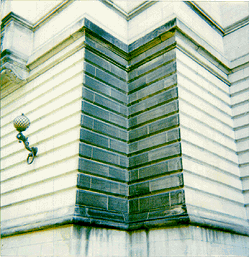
(33, 150)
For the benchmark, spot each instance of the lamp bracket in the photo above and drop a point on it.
(33, 150)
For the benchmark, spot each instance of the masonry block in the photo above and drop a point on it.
(92, 199)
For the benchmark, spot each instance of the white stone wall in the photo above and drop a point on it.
(186, 241)
(235, 10)
(237, 51)
(52, 101)
(210, 163)
(100, 242)
(68, 241)
(240, 110)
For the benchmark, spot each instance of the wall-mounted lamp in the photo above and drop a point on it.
(21, 123)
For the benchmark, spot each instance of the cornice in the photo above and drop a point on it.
(140, 9)
(52, 13)
(115, 7)
(14, 17)
(222, 30)
(13, 72)
(11, 79)
(237, 25)
(127, 15)
(205, 16)
(14, 62)
(9, 74)
(65, 3)
(128, 51)
(15, 68)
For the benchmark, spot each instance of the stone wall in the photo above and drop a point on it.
(101, 242)
(140, 123)
(102, 181)
(51, 99)
(239, 102)
(141, 109)
(210, 161)
(156, 181)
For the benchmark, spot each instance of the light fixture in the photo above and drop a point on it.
(21, 123)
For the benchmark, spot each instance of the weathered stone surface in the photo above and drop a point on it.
(153, 185)
(118, 204)
(152, 65)
(139, 189)
(152, 89)
(101, 62)
(92, 199)
(155, 155)
(103, 114)
(154, 127)
(151, 115)
(102, 141)
(153, 101)
(104, 218)
(157, 32)
(153, 141)
(153, 52)
(103, 170)
(105, 89)
(153, 202)
(102, 185)
(104, 102)
(93, 138)
(102, 127)
(152, 77)
(104, 49)
(105, 35)
(158, 169)
(136, 131)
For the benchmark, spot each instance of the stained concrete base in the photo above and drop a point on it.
(74, 240)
